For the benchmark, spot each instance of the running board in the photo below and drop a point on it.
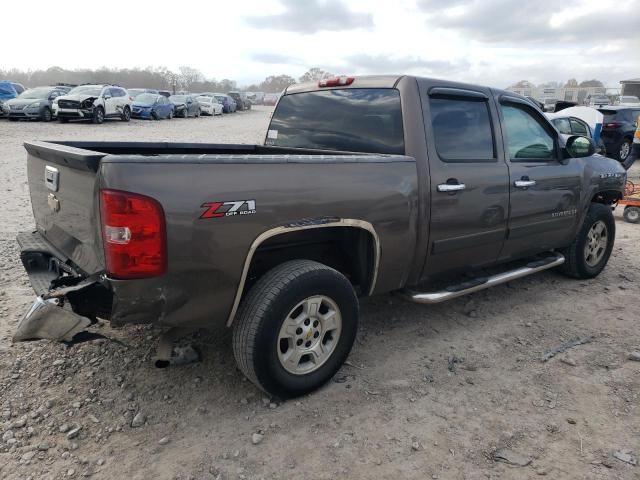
(476, 284)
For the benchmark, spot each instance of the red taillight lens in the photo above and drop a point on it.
(133, 235)
(335, 82)
(612, 125)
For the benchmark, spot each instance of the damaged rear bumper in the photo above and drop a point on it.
(67, 302)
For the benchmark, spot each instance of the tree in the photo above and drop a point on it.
(276, 83)
(314, 74)
(591, 83)
(188, 76)
(571, 83)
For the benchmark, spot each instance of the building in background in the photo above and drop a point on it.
(549, 94)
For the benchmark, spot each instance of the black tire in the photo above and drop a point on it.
(185, 114)
(576, 265)
(126, 114)
(265, 308)
(631, 214)
(98, 116)
(63, 120)
(46, 115)
(154, 115)
(623, 150)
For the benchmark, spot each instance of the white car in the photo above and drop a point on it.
(95, 103)
(629, 101)
(210, 106)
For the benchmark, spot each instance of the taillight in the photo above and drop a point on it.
(335, 82)
(133, 235)
(612, 125)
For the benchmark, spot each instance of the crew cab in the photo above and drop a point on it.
(364, 186)
(95, 103)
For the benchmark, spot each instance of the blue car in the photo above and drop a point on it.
(152, 106)
(7, 92)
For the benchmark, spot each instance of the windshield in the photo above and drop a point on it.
(36, 93)
(146, 98)
(87, 90)
(354, 119)
(178, 98)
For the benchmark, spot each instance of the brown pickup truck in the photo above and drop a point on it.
(364, 186)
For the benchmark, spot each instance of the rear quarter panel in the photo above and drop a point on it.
(206, 256)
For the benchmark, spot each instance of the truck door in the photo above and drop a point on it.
(544, 187)
(469, 191)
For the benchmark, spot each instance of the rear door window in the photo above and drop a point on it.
(462, 129)
(351, 119)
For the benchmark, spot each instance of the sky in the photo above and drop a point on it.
(492, 42)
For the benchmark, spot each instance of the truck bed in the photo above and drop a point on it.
(207, 256)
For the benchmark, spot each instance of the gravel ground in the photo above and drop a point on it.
(454, 391)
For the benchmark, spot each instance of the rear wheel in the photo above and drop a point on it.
(185, 112)
(589, 253)
(46, 115)
(624, 150)
(295, 328)
(631, 214)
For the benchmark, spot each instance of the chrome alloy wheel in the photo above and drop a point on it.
(309, 335)
(596, 245)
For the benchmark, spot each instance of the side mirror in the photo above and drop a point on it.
(578, 146)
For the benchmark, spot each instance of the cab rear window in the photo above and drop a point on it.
(351, 119)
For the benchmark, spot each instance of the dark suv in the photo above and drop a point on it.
(618, 126)
(242, 100)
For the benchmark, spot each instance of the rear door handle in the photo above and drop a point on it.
(524, 183)
(451, 187)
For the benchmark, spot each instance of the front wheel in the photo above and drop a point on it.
(295, 328)
(98, 115)
(589, 253)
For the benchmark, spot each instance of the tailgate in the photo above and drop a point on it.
(63, 184)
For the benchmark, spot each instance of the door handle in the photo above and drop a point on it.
(524, 182)
(451, 187)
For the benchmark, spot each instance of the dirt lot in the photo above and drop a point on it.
(429, 392)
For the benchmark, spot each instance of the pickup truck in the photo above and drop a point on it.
(363, 186)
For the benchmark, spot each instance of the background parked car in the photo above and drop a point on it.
(134, 92)
(152, 106)
(618, 127)
(228, 104)
(165, 93)
(210, 105)
(185, 106)
(241, 99)
(271, 99)
(19, 88)
(597, 101)
(629, 101)
(575, 126)
(95, 103)
(7, 92)
(35, 103)
(257, 98)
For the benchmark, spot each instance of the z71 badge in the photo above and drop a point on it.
(228, 209)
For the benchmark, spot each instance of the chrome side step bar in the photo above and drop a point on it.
(477, 284)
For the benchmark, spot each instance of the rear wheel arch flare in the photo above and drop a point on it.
(357, 226)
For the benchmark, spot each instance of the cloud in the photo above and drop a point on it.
(311, 16)
(540, 22)
(274, 58)
(387, 64)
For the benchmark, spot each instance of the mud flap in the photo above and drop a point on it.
(47, 319)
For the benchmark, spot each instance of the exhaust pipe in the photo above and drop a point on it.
(167, 354)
